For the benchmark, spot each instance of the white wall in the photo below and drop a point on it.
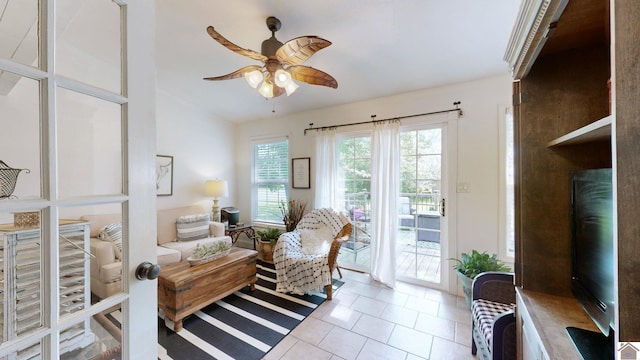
(477, 150)
(202, 148)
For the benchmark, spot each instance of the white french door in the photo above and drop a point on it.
(77, 86)
(423, 221)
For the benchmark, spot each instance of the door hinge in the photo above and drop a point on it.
(519, 98)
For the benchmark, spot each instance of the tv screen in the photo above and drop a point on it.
(592, 245)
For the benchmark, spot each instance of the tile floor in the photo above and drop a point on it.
(366, 320)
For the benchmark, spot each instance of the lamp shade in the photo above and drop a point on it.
(254, 78)
(216, 188)
(266, 89)
(282, 78)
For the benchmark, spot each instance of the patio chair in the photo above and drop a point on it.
(306, 257)
(405, 213)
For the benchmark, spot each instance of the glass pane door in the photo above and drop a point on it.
(354, 168)
(65, 154)
(420, 239)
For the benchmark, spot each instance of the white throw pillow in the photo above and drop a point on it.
(113, 233)
(315, 242)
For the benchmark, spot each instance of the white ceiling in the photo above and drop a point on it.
(380, 48)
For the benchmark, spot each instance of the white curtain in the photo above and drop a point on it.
(385, 191)
(326, 171)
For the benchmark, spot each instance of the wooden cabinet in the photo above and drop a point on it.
(541, 320)
(562, 55)
(21, 309)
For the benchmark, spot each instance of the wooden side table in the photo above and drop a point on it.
(235, 232)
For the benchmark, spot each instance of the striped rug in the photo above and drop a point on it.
(244, 325)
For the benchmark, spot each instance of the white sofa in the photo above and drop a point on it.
(106, 269)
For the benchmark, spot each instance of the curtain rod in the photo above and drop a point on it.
(373, 120)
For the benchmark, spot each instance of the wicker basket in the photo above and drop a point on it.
(207, 259)
(26, 219)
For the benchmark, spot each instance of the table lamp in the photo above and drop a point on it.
(216, 188)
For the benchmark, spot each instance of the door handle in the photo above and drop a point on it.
(147, 271)
(442, 208)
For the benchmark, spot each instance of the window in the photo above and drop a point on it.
(510, 188)
(507, 182)
(270, 179)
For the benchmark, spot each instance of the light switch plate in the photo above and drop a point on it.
(463, 187)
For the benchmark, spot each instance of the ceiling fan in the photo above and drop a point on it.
(282, 63)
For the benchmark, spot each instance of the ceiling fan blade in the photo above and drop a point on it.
(298, 50)
(312, 76)
(236, 74)
(233, 47)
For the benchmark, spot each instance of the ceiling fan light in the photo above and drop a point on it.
(253, 78)
(282, 78)
(291, 87)
(266, 90)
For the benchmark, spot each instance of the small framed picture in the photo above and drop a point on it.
(164, 175)
(301, 167)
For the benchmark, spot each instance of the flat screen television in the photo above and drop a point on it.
(592, 261)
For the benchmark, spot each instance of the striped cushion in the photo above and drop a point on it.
(113, 233)
(193, 227)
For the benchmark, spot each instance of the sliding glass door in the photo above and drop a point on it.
(354, 172)
(421, 234)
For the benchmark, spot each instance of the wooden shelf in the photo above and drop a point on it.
(598, 130)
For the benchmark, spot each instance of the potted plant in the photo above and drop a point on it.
(469, 266)
(267, 241)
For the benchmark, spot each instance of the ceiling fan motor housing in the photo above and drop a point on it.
(271, 45)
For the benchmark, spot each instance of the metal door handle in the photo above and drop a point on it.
(442, 207)
(147, 271)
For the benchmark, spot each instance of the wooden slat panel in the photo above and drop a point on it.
(627, 120)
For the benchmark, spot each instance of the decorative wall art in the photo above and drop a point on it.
(164, 175)
(301, 167)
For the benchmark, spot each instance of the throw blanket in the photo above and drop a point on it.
(299, 273)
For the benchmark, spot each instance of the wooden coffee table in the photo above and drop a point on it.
(185, 289)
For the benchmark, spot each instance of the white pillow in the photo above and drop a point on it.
(315, 242)
(113, 233)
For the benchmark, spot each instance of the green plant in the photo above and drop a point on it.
(292, 212)
(208, 250)
(269, 234)
(476, 263)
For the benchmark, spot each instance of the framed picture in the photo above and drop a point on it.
(301, 168)
(164, 175)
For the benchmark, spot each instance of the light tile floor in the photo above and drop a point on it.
(366, 320)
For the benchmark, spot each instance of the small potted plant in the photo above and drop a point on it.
(469, 266)
(267, 241)
(206, 253)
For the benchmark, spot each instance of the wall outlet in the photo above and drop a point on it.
(462, 187)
